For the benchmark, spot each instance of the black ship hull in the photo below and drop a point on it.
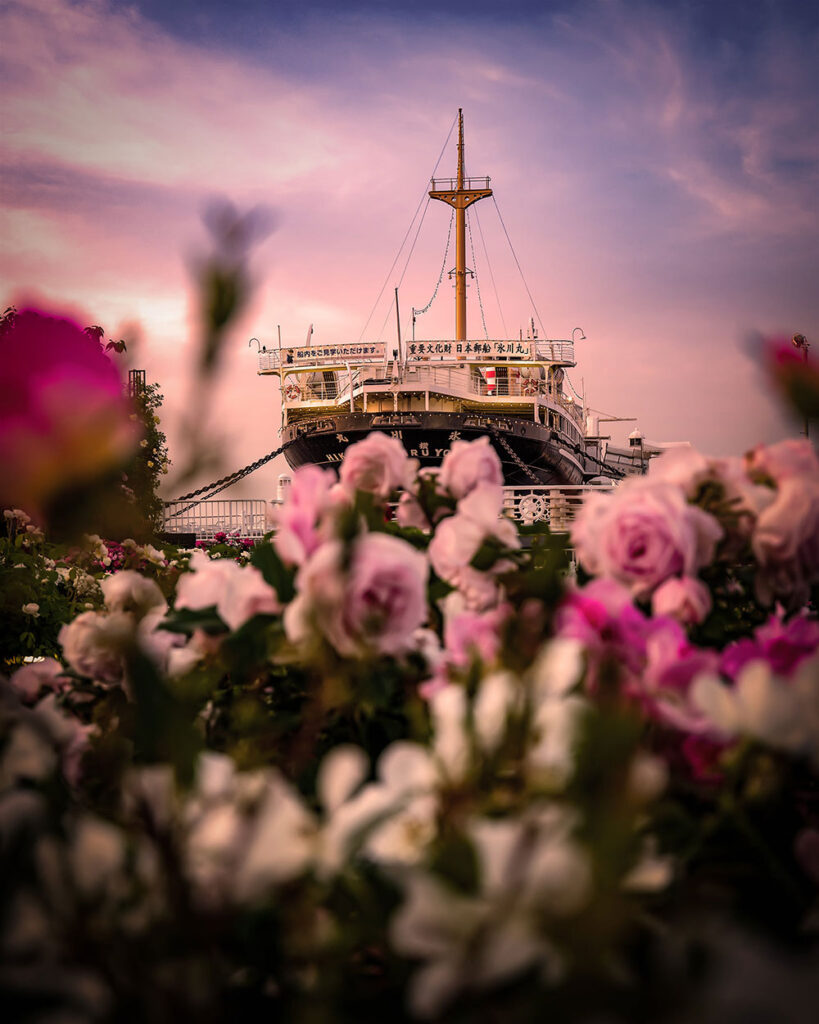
(530, 453)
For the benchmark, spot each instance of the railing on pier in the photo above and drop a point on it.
(556, 506)
(239, 518)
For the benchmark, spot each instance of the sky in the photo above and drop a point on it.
(656, 168)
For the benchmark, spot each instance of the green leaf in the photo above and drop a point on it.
(266, 559)
(186, 620)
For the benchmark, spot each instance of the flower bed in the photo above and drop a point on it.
(372, 767)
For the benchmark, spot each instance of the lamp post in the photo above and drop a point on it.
(802, 343)
(582, 335)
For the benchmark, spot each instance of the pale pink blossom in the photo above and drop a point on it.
(784, 460)
(762, 705)
(375, 604)
(685, 599)
(31, 680)
(458, 539)
(236, 592)
(409, 513)
(94, 644)
(379, 464)
(671, 667)
(469, 634)
(644, 533)
(467, 464)
(129, 591)
(785, 541)
(298, 520)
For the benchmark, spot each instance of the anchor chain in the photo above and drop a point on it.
(220, 485)
(516, 458)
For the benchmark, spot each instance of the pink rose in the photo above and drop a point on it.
(379, 464)
(237, 592)
(63, 417)
(458, 539)
(94, 644)
(469, 634)
(785, 541)
(790, 458)
(687, 600)
(409, 513)
(31, 680)
(130, 591)
(644, 533)
(603, 618)
(685, 467)
(672, 665)
(468, 464)
(297, 521)
(375, 604)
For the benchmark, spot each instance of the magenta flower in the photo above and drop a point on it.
(782, 645)
(63, 418)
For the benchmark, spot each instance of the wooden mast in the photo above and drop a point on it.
(459, 197)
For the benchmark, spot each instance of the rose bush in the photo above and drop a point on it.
(371, 768)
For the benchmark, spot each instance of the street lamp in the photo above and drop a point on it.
(582, 335)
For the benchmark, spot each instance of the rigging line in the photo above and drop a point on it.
(406, 236)
(475, 272)
(569, 379)
(443, 266)
(406, 264)
(514, 254)
(491, 275)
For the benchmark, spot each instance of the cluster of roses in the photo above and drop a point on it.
(648, 546)
(506, 834)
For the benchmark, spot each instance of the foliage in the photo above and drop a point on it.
(150, 463)
(371, 767)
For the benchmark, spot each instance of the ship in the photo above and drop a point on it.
(431, 393)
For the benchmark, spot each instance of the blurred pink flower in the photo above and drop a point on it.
(644, 533)
(603, 618)
(468, 464)
(94, 644)
(297, 521)
(376, 604)
(237, 592)
(379, 464)
(672, 665)
(784, 460)
(685, 599)
(469, 634)
(458, 539)
(785, 542)
(782, 645)
(63, 417)
(30, 681)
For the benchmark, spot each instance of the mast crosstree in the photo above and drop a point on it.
(460, 193)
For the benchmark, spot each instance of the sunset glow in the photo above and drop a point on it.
(655, 167)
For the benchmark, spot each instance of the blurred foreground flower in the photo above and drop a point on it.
(794, 373)
(63, 419)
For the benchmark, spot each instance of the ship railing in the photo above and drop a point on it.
(318, 356)
(246, 519)
(237, 519)
(451, 184)
(554, 505)
(554, 351)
